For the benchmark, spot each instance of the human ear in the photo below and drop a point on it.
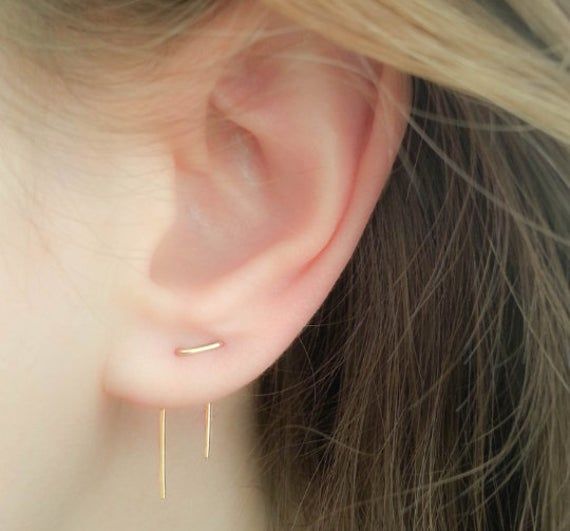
(292, 143)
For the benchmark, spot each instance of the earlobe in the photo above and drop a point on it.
(259, 236)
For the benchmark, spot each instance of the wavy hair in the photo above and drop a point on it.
(431, 390)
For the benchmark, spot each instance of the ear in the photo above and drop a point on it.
(290, 147)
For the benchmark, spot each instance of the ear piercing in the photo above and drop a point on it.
(194, 350)
(162, 446)
(183, 351)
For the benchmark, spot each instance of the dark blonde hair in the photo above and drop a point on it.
(431, 389)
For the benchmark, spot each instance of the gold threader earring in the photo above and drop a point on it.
(162, 419)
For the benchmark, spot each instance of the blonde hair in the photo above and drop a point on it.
(450, 411)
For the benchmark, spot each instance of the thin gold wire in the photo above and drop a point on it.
(208, 425)
(162, 420)
(162, 446)
(195, 350)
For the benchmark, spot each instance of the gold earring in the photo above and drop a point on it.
(162, 419)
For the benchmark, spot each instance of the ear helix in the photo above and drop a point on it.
(183, 351)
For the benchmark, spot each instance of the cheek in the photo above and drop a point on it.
(53, 330)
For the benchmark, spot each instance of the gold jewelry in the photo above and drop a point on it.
(162, 446)
(195, 350)
(162, 419)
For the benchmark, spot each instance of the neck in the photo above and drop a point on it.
(221, 492)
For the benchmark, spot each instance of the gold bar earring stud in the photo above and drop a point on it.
(162, 419)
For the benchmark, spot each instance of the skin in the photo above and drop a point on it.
(98, 286)
(73, 456)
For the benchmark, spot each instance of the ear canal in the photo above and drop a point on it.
(223, 217)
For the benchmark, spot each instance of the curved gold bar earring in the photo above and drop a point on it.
(162, 419)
